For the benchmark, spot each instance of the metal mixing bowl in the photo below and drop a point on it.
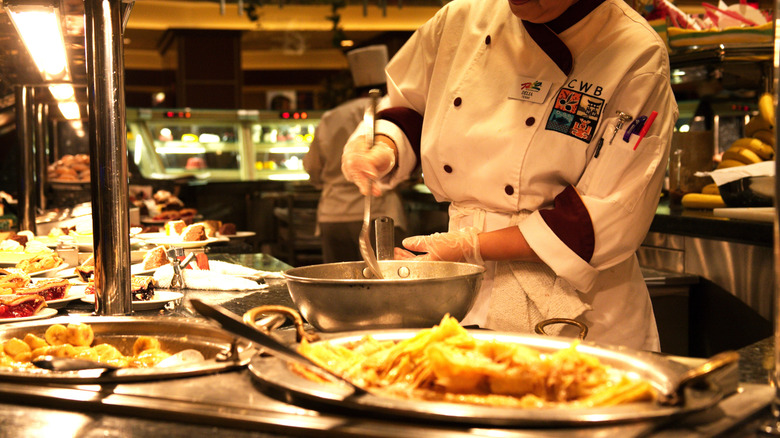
(413, 294)
(751, 191)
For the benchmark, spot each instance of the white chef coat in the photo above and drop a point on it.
(504, 131)
(341, 200)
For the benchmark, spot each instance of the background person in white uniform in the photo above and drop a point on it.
(512, 109)
(340, 208)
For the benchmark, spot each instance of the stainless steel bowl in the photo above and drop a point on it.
(413, 294)
(751, 191)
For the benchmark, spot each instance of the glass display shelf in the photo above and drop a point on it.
(220, 145)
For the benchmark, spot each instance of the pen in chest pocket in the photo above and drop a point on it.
(646, 128)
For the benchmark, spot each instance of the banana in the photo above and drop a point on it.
(144, 343)
(63, 350)
(34, 341)
(725, 164)
(80, 335)
(56, 334)
(760, 148)
(15, 346)
(743, 155)
(767, 136)
(700, 200)
(756, 124)
(711, 189)
(766, 108)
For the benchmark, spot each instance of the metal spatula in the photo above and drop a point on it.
(366, 250)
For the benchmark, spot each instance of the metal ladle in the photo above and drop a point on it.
(366, 250)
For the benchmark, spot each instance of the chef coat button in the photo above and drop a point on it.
(448, 168)
(530, 121)
(509, 190)
(487, 40)
(458, 101)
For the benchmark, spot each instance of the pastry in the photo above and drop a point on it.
(85, 272)
(155, 258)
(20, 306)
(227, 229)
(141, 288)
(13, 278)
(194, 233)
(174, 228)
(40, 262)
(49, 289)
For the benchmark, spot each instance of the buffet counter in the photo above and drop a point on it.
(232, 403)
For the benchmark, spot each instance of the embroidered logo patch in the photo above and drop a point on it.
(575, 114)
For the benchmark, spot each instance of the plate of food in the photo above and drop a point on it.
(177, 241)
(42, 314)
(12, 258)
(23, 307)
(158, 300)
(239, 235)
(76, 292)
(51, 272)
(495, 378)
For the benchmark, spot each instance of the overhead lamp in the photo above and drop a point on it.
(39, 26)
(70, 110)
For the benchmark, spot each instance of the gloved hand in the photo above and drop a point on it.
(455, 246)
(361, 164)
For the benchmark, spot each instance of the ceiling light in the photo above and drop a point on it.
(70, 110)
(62, 91)
(39, 27)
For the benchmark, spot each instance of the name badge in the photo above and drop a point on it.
(530, 90)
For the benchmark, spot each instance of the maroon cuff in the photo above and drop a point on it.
(570, 221)
(409, 121)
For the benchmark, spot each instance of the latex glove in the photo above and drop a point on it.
(455, 246)
(361, 164)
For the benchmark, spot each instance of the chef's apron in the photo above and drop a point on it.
(516, 295)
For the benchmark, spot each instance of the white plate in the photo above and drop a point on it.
(176, 241)
(12, 258)
(44, 313)
(90, 246)
(147, 236)
(76, 292)
(239, 235)
(49, 272)
(159, 299)
(138, 269)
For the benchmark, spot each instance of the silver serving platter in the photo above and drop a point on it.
(221, 349)
(274, 374)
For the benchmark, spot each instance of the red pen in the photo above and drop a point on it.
(650, 120)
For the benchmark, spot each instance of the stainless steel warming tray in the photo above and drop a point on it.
(663, 373)
(221, 349)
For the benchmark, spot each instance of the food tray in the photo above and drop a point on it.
(661, 372)
(175, 334)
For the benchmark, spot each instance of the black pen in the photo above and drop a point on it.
(598, 147)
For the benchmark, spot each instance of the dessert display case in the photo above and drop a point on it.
(219, 145)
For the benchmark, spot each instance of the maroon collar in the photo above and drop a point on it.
(545, 34)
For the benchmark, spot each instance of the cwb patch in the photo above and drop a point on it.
(575, 114)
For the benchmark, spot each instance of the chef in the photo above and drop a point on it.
(340, 208)
(546, 124)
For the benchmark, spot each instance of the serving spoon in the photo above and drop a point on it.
(366, 250)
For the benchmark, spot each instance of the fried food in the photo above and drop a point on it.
(446, 363)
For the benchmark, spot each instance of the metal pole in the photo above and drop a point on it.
(41, 117)
(772, 427)
(108, 149)
(25, 96)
